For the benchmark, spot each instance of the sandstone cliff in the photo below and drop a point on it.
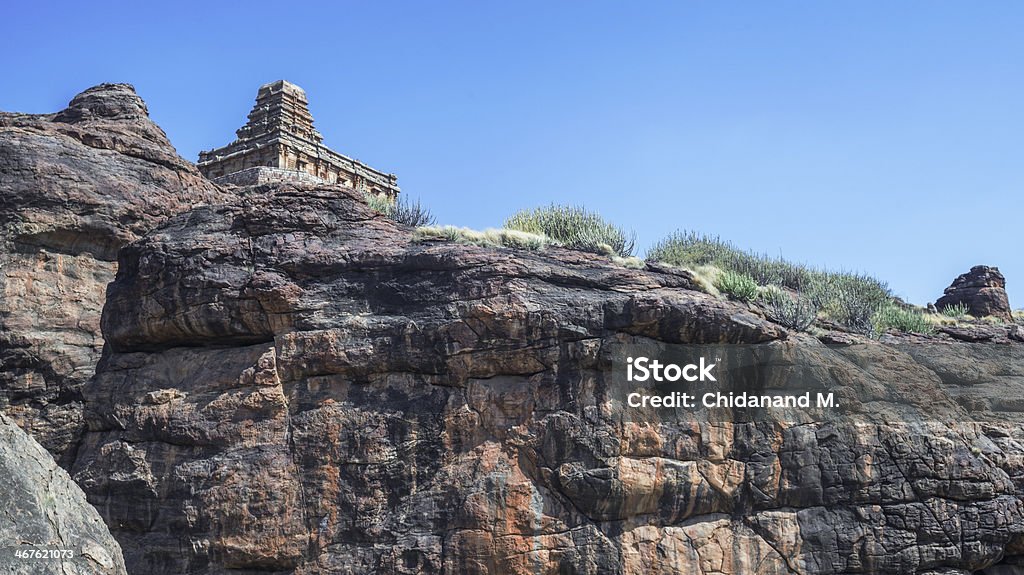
(293, 385)
(43, 510)
(75, 186)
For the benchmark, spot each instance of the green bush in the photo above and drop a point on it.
(848, 298)
(574, 227)
(795, 312)
(900, 319)
(736, 285)
(956, 311)
(852, 300)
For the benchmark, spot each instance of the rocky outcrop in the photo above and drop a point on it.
(46, 525)
(982, 290)
(75, 186)
(293, 385)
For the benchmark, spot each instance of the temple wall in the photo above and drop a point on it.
(266, 157)
(265, 175)
(292, 159)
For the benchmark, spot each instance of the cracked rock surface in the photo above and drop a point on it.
(42, 509)
(74, 187)
(292, 385)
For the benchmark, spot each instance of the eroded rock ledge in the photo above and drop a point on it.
(292, 385)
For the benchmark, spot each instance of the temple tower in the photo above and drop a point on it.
(280, 143)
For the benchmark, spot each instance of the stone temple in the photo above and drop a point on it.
(279, 143)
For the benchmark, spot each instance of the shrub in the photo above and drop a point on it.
(901, 319)
(848, 298)
(488, 238)
(411, 213)
(956, 311)
(737, 286)
(402, 210)
(574, 227)
(795, 312)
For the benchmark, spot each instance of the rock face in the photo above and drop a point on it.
(75, 187)
(982, 290)
(44, 510)
(293, 385)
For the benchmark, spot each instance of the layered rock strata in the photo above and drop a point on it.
(982, 290)
(75, 186)
(293, 385)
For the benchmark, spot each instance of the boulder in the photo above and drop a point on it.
(982, 290)
(44, 512)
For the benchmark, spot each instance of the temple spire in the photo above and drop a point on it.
(279, 143)
(282, 106)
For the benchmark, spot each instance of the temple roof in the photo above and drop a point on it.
(280, 106)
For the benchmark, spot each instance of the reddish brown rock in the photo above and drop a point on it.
(75, 187)
(982, 290)
(293, 385)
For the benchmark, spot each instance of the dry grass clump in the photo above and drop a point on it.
(491, 237)
(630, 262)
(941, 320)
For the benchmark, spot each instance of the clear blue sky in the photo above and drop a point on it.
(874, 136)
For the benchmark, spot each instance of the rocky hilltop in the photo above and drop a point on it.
(76, 186)
(292, 383)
